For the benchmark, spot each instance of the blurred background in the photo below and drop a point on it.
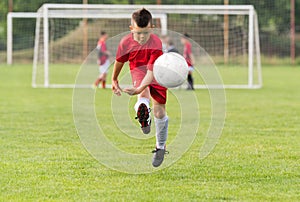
(274, 19)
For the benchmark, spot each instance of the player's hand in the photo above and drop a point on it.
(116, 88)
(132, 91)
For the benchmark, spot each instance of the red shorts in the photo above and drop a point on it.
(157, 92)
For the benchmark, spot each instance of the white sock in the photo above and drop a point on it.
(161, 131)
(141, 100)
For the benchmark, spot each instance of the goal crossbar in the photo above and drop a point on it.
(160, 8)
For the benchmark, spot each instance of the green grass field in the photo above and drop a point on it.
(256, 159)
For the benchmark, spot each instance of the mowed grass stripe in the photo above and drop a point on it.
(256, 158)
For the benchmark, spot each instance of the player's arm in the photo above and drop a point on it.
(192, 59)
(144, 84)
(115, 83)
(190, 54)
(104, 51)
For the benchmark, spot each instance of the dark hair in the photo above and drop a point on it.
(142, 17)
(186, 35)
(102, 33)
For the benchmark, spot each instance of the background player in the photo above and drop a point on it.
(168, 45)
(103, 59)
(141, 48)
(189, 57)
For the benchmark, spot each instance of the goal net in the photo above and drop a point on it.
(67, 33)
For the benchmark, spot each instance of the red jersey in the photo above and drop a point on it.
(139, 56)
(102, 56)
(187, 51)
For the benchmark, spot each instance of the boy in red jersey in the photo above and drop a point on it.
(103, 61)
(189, 57)
(141, 48)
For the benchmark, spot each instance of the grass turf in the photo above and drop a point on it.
(257, 157)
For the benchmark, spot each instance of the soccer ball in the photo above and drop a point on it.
(170, 70)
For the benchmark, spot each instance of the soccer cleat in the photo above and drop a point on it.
(143, 115)
(158, 156)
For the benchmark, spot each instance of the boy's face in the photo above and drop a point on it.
(141, 35)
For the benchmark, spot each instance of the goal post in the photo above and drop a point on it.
(10, 17)
(58, 23)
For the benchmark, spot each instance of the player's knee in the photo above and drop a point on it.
(145, 93)
(159, 111)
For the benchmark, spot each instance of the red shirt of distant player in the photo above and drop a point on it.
(187, 51)
(141, 58)
(102, 56)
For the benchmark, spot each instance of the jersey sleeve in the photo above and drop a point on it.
(122, 53)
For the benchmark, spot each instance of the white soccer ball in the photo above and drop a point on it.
(170, 70)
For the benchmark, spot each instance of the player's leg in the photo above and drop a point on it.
(142, 109)
(104, 80)
(142, 106)
(143, 97)
(190, 79)
(161, 124)
(103, 69)
(98, 80)
(190, 82)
